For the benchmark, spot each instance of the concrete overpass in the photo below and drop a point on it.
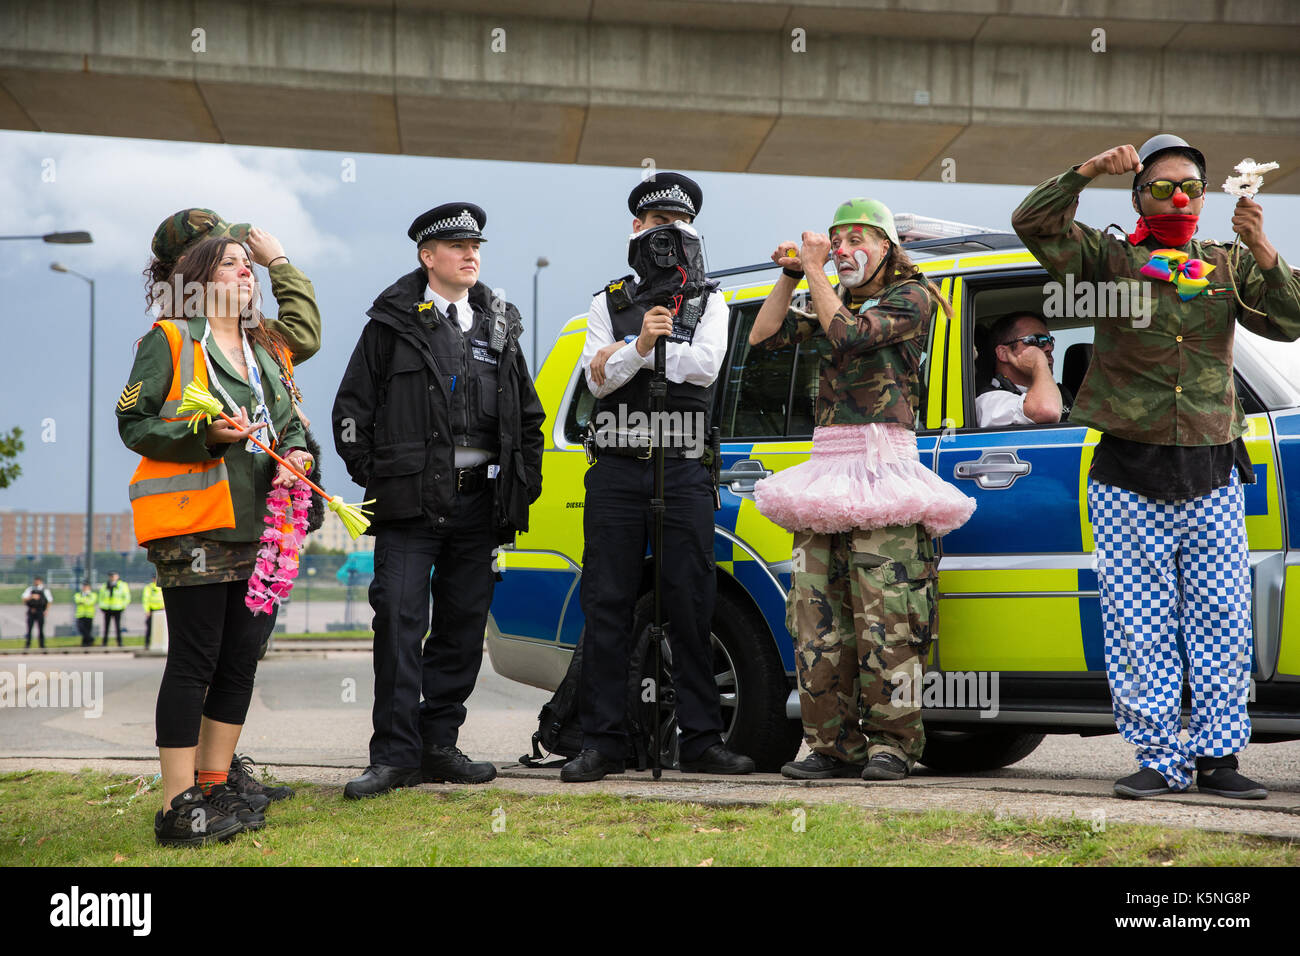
(1009, 90)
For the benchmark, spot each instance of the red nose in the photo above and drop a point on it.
(1180, 199)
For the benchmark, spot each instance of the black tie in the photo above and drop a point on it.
(451, 312)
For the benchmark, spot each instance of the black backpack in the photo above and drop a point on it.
(559, 732)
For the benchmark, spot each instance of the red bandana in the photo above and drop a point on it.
(1172, 230)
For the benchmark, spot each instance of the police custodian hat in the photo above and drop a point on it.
(451, 220)
(671, 192)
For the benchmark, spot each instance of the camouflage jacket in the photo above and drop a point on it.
(871, 372)
(297, 318)
(1166, 378)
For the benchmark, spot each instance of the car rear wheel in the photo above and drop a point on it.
(957, 751)
(751, 682)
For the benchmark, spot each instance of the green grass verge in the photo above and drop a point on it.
(64, 819)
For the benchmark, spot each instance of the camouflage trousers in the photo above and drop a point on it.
(862, 609)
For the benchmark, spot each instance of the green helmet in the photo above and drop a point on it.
(866, 212)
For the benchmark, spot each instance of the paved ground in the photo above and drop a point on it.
(310, 721)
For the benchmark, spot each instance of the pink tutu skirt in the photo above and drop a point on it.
(861, 477)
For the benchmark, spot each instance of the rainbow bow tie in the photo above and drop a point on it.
(1187, 275)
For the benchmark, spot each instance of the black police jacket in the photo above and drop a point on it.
(392, 422)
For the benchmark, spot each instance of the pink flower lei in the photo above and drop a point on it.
(277, 560)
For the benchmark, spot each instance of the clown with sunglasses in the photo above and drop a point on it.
(1165, 487)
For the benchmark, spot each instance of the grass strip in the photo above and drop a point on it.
(97, 819)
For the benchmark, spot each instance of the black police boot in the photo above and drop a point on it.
(817, 766)
(380, 778)
(449, 765)
(589, 766)
(717, 759)
(1147, 782)
(249, 787)
(227, 799)
(884, 766)
(1218, 775)
(193, 821)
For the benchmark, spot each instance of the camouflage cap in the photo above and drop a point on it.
(866, 212)
(180, 231)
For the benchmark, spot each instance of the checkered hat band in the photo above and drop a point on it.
(673, 193)
(462, 221)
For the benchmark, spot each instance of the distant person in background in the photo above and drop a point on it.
(152, 600)
(114, 596)
(85, 600)
(37, 598)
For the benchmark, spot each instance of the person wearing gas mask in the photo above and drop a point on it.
(1164, 489)
(863, 508)
(669, 296)
(438, 419)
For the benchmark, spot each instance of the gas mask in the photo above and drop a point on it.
(670, 261)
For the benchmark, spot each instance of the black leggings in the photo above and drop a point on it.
(214, 640)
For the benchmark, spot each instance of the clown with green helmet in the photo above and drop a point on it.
(863, 509)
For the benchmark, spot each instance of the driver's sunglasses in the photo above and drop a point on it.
(1042, 341)
(1164, 188)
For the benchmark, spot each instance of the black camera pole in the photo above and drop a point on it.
(658, 401)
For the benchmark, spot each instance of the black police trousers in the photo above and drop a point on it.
(618, 524)
(459, 552)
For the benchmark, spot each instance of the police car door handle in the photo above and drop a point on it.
(993, 470)
(743, 475)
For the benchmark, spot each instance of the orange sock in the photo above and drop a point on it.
(207, 779)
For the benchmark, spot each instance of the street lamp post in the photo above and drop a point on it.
(542, 263)
(58, 238)
(90, 423)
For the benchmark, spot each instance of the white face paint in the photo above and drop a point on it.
(853, 272)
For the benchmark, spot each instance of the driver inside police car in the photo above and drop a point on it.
(626, 318)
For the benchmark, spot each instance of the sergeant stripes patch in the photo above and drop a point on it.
(129, 396)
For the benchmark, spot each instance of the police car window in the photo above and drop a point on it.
(986, 304)
(756, 401)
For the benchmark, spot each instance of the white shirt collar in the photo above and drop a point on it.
(464, 314)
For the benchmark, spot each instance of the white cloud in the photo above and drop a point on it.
(120, 190)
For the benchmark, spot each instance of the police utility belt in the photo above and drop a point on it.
(469, 480)
(630, 444)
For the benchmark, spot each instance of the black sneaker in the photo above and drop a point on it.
(449, 765)
(193, 821)
(242, 779)
(1218, 775)
(884, 766)
(817, 766)
(225, 797)
(1147, 782)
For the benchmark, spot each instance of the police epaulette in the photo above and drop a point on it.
(619, 298)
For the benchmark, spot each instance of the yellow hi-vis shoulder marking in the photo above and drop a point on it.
(129, 396)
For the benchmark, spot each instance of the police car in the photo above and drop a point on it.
(1019, 652)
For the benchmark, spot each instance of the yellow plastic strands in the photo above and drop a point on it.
(201, 402)
(353, 516)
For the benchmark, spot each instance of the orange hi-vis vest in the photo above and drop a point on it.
(174, 497)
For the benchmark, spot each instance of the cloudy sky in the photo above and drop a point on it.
(349, 237)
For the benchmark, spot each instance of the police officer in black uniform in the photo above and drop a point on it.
(438, 419)
(619, 363)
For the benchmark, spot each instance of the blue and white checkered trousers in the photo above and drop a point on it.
(1158, 562)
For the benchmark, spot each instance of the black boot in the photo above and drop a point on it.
(380, 778)
(717, 759)
(449, 765)
(588, 767)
